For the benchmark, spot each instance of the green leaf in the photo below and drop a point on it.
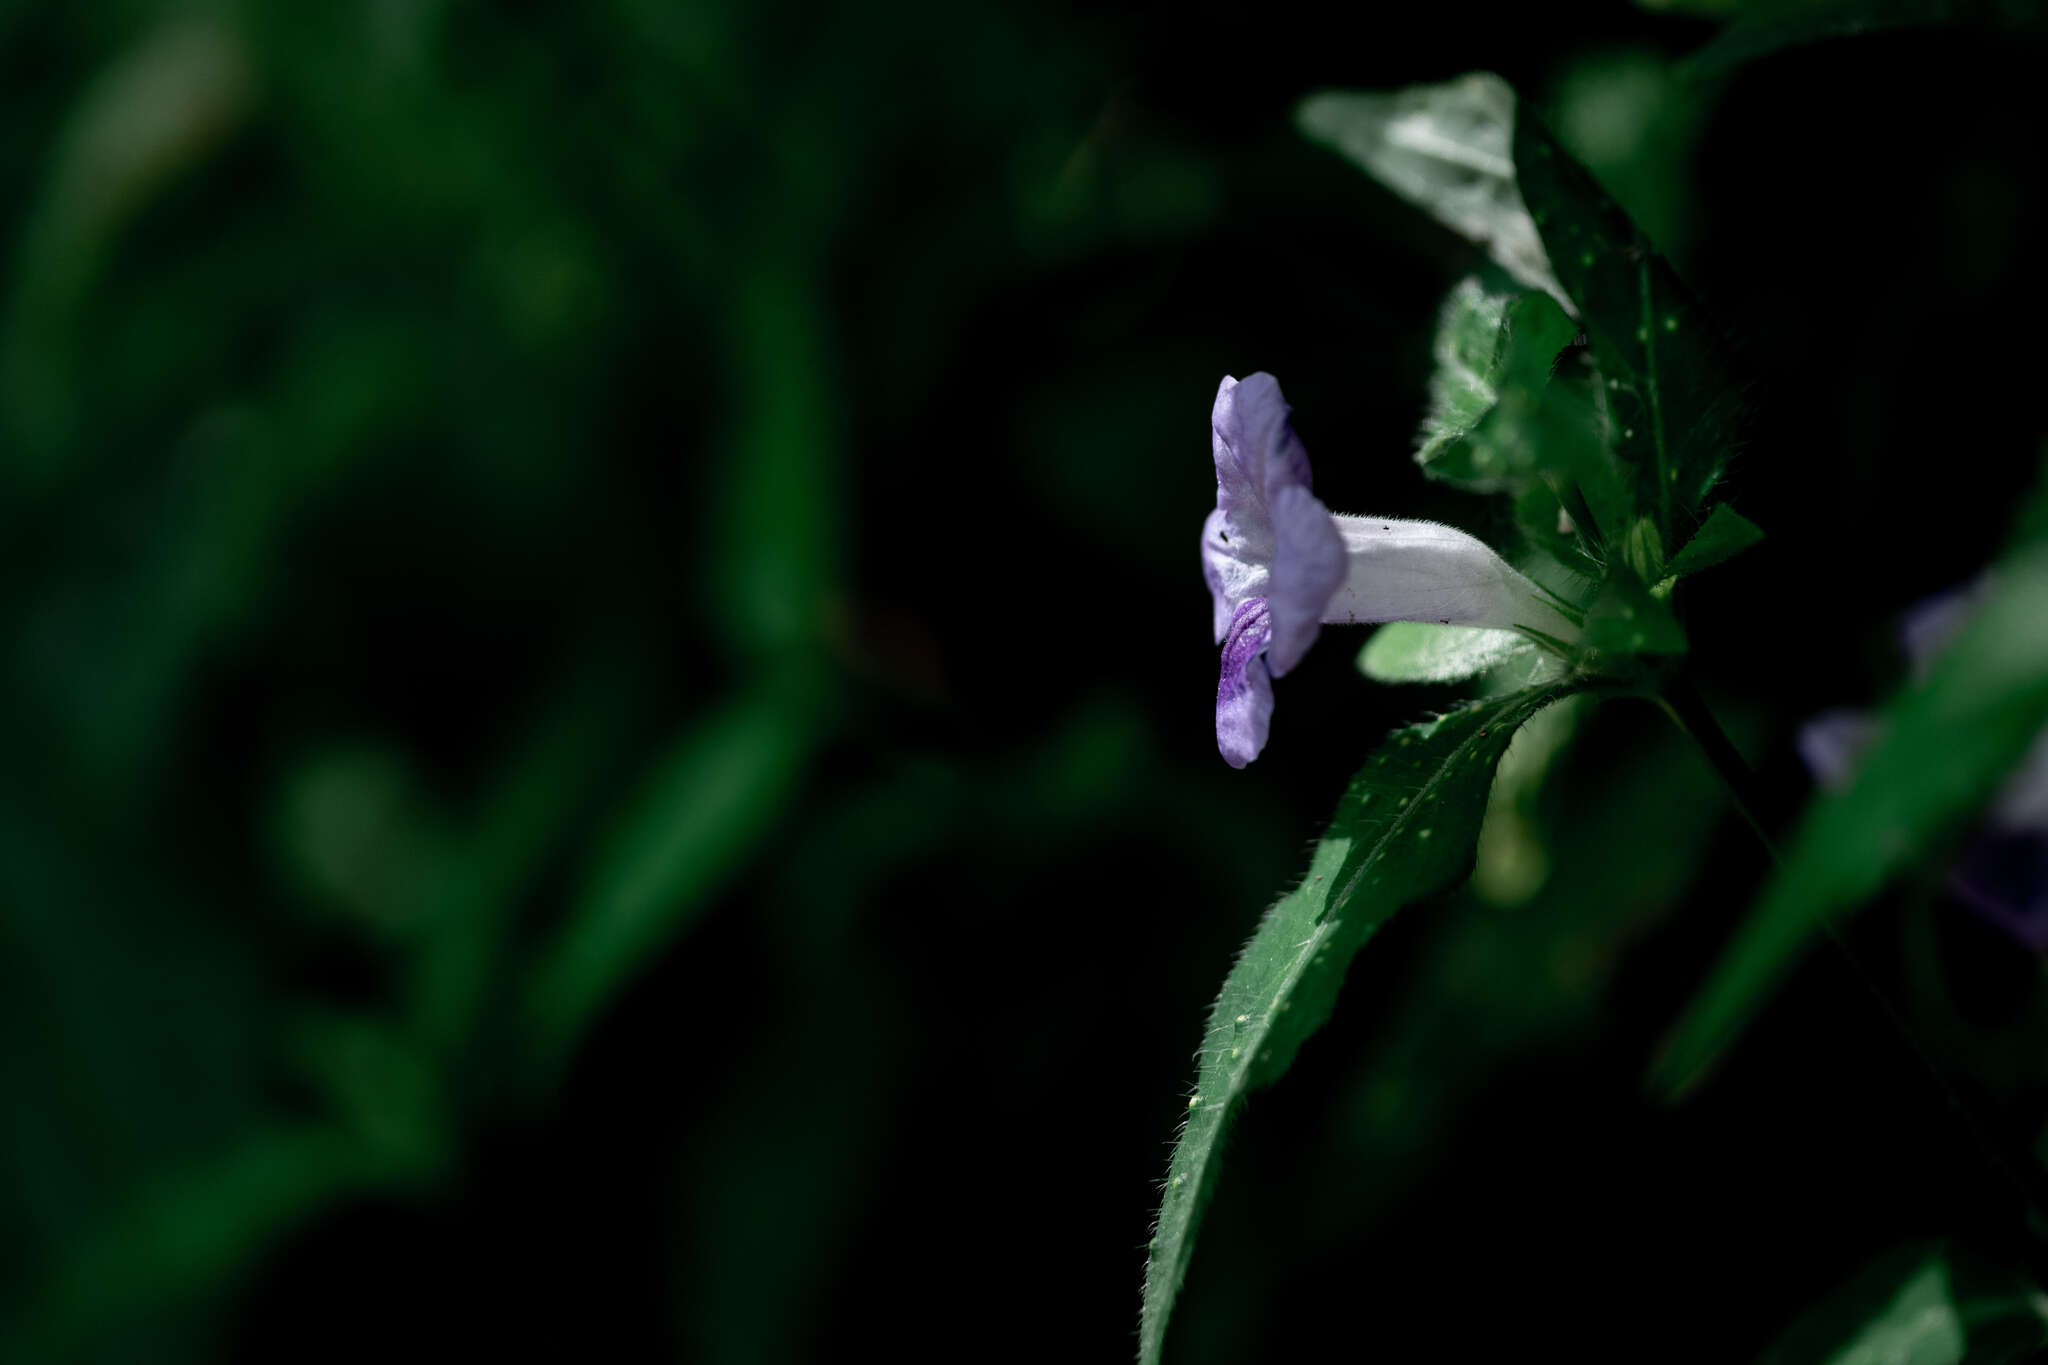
(1725, 534)
(1494, 353)
(1445, 149)
(1919, 1306)
(1643, 551)
(382, 1090)
(1672, 401)
(1917, 1324)
(1417, 651)
(1509, 415)
(1626, 618)
(183, 1238)
(1765, 29)
(1468, 350)
(778, 515)
(1943, 745)
(709, 802)
(1404, 830)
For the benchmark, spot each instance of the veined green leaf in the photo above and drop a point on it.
(1507, 415)
(1671, 397)
(1404, 830)
(1444, 148)
(1419, 651)
(1942, 747)
(1725, 534)
(1492, 350)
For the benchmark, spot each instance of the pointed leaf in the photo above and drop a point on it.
(1673, 403)
(1404, 830)
(1725, 534)
(707, 804)
(1941, 749)
(1444, 148)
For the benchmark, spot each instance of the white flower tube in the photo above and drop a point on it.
(1423, 571)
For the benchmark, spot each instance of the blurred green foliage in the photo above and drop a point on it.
(601, 605)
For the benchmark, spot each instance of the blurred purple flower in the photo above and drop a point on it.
(1280, 565)
(2002, 873)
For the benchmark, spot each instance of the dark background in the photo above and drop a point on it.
(607, 740)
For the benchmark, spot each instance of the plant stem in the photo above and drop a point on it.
(1681, 701)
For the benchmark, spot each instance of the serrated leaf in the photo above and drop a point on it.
(1672, 399)
(1725, 534)
(1404, 830)
(1418, 651)
(1445, 149)
(1941, 748)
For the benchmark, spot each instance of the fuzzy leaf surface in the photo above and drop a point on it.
(1404, 830)
(1420, 651)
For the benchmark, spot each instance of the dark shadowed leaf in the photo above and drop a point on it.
(1628, 619)
(1920, 1306)
(1725, 534)
(1763, 29)
(706, 805)
(1672, 401)
(1941, 749)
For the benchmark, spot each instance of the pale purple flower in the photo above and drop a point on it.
(1280, 565)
